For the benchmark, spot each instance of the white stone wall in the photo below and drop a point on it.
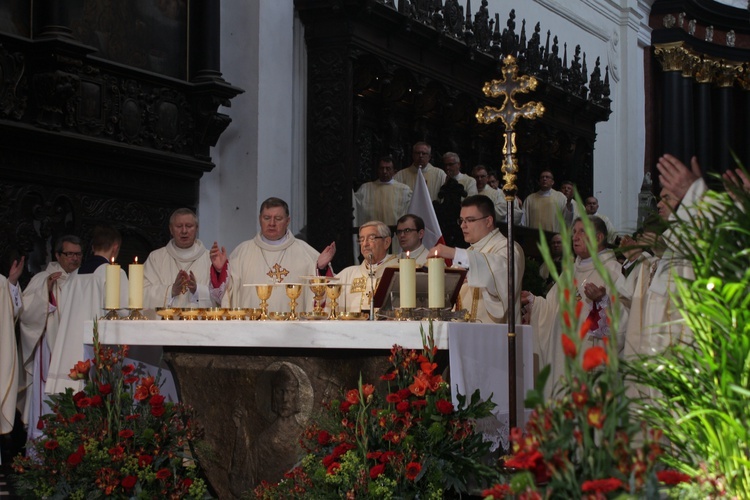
(262, 153)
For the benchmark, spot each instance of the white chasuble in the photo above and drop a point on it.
(160, 271)
(485, 292)
(258, 262)
(357, 284)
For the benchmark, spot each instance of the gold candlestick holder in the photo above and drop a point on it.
(135, 315)
(111, 313)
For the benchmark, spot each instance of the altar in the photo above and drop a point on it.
(244, 377)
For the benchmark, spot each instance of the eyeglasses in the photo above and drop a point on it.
(72, 254)
(408, 230)
(469, 220)
(370, 239)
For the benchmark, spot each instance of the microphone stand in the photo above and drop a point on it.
(372, 288)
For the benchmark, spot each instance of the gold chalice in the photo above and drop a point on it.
(293, 291)
(264, 293)
(333, 292)
(237, 313)
(166, 312)
(318, 288)
(215, 313)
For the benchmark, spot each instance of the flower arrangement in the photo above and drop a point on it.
(583, 442)
(407, 441)
(116, 438)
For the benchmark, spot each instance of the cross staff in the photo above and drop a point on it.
(508, 86)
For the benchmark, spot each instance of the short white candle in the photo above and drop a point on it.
(435, 282)
(112, 286)
(135, 285)
(407, 269)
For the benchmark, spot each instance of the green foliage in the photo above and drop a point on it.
(408, 441)
(700, 390)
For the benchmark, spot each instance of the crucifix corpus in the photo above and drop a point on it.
(509, 113)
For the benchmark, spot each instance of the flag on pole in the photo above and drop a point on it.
(421, 205)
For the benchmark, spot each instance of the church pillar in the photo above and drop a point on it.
(686, 124)
(725, 114)
(205, 32)
(672, 57)
(704, 72)
(52, 18)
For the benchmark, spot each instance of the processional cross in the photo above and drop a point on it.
(509, 113)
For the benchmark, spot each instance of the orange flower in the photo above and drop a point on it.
(566, 292)
(579, 306)
(596, 417)
(585, 327)
(352, 396)
(368, 389)
(420, 386)
(428, 367)
(81, 370)
(593, 357)
(412, 470)
(580, 398)
(569, 347)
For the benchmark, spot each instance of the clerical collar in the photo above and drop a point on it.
(280, 241)
(385, 182)
(384, 259)
(545, 193)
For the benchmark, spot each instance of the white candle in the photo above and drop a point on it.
(407, 269)
(435, 282)
(112, 286)
(135, 285)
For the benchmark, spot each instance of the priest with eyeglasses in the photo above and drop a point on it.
(485, 292)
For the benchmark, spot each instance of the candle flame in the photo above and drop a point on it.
(112, 261)
(136, 259)
(436, 253)
(407, 254)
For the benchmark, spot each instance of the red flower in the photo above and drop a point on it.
(96, 401)
(145, 460)
(580, 398)
(419, 403)
(105, 389)
(324, 438)
(76, 418)
(579, 306)
(116, 451)
(602, 485)
(335, 466)
(187, 482)
(566, 294)
(566, 319)
(497, 492)
(81, 370)
(377, 470)
(386, 457)
(404, 393)
(593, 357)
(524, 460)
(345, 406)
(352, 396)
(130, 380)
(128, 369)
(420, 386)
(428, 367)
(389, 376)
(163, 474)
(342, 448)
(83, 402)
(569, 347)
(444, 406)
(51, 444)
(412, 470)
(128, 482)
(672, 477)
(403, 407)
(75, 459)
(393, 398)
(596, 417)
(156, 400)
(126, 433)
(158, 411)
(368, 389)
(585, 327)
(141, 393)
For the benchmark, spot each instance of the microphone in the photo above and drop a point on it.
(370, 259)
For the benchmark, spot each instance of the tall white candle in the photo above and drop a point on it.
(435, 282)
(135, 285)
(112, 286)
(407, 270)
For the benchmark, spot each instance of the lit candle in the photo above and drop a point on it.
(135, 285)
(435, 282)
(407, 269)
(112, 286)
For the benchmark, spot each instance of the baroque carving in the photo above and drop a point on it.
(12, 84)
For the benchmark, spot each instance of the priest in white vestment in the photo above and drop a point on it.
(83, 300)
(433, 176)
(452, 164)
(384, 199)
(274, 256)
(359, 281)
(592, 208)
(409, 233)
(541, 208)
(178, 274)
(480, 175)
(10, 304)
(594, 295)
(485, 292)
(39, 322)
(570, 212)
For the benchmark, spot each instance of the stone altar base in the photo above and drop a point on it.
(254, 404)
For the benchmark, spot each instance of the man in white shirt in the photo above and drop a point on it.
(541, 208)
(434, 177)
(452, 164)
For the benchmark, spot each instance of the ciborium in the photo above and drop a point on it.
(318, 288)
(293, 291)
(333, 292)
(264, 293)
